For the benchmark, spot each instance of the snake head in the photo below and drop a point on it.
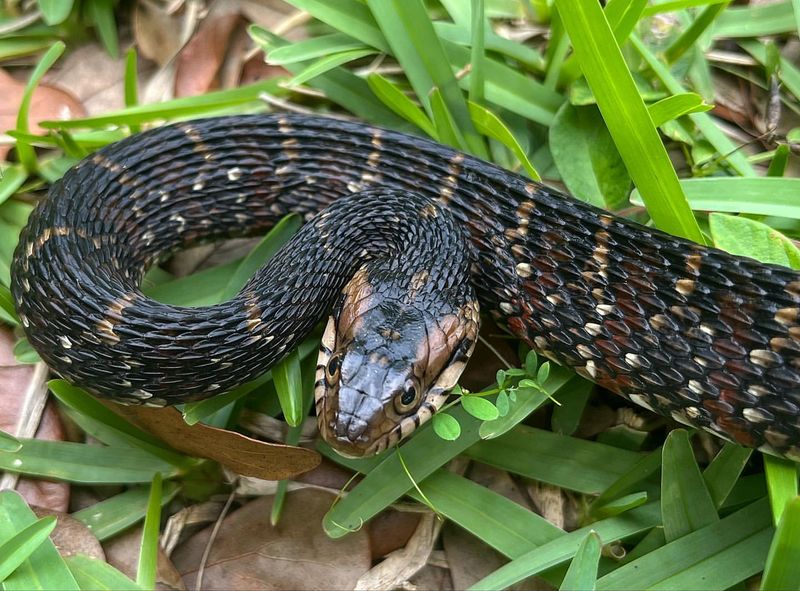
(386, 366)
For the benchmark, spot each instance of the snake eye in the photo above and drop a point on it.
(332, 371)
(408, 399)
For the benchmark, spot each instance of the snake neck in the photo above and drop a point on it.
(117, 342)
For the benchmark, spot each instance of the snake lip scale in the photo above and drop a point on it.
(709, 339)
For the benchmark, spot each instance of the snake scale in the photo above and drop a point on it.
(709, 339)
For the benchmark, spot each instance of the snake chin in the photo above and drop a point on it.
(378, 383)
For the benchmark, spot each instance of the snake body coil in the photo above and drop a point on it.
(710, 339)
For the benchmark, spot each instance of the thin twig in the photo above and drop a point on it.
(198, 585)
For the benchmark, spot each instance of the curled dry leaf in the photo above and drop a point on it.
(15, 382)
(249, 553)
(243, 455)
(48, 102)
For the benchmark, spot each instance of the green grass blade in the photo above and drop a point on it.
(22, 544)
(788, 72)
(327, 63)
(88, 407)
(627, 118)
(101, 13)
(24, 150)
(347, 15)
(447, 131)
(313, 48)
(635, 476)
(8, 442)
(131, 84)
(7, 312)
(582, 572)
(289, 385)
(574, 464)
(391, 96)
(492, 126)
(773, 196)
(63, 460)
(717, 556)
(777, 166)
(91, 573)
(476, 79)
(782, 570)
(724, 471)
(414, 43)
(44, 569)
(11, 179)
(55, 12)
(689, 37)
(686, 504)
(781, 484)
(558, 551)
(148, 554)
(497, 521)
(757, 20)
(173, 109)
(729, 151)
(115, 514)
(676, 106)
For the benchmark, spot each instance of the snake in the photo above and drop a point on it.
(406, 242)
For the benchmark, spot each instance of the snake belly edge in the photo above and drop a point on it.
(709, 339)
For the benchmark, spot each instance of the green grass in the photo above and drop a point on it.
(605, 106)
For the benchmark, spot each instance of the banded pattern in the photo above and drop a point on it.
(707, 338)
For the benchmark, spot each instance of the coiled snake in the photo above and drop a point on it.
(415, 236)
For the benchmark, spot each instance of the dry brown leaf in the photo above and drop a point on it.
(248, 553)
(122, 552)
(201, 58)
(243, 455)
(390, 530)
(95, 78)
(157, 33)
(15, 380)
(72, 537)
(470, 559)
(48, 102)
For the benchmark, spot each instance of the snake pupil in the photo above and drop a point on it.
(409, 396)
(333, 367)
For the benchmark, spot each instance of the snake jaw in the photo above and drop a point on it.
(359, 404)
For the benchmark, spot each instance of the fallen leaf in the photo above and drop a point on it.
(390, 530)
(470, 559)
(15, 381)
(72, 537)
(243, 455)
(157, 33)
(122, 552)
(249, 553)
(201, 58)
(48, 102)
(95, 78)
